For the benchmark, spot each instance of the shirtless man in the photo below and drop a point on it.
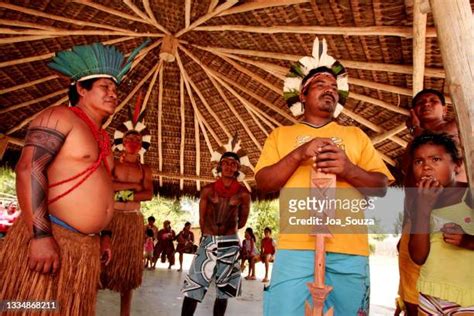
(133, 183)
(65, 192)
(223, 209)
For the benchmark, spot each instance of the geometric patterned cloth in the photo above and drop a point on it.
(216, 258)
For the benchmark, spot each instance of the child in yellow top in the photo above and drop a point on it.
(443, 228)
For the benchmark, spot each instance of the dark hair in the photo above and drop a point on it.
(74, 95)
(187, 224)
(132, 132)
(230, 154)
(152, 218)
(252, 235)
(314, 72)
(443, 140)
(267, 229)
(427, 91)
(149, 232)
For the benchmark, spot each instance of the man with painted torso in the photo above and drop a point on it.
(223, 209)
(132, 182)
(63, 207)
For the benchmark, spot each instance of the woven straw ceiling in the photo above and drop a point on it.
(227, 75)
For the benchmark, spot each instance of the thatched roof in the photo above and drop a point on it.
(231, 58)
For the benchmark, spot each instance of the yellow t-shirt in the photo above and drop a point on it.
(358, 149)
(448, 272)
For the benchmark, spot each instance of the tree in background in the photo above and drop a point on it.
(178, 211)
(263, 214)
(7, 181)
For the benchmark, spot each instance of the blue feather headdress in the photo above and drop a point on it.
(94, 61)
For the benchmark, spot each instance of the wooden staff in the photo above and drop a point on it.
(323, 187)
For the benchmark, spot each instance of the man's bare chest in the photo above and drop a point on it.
(128, 172)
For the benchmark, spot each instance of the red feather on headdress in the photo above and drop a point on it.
(138, 107)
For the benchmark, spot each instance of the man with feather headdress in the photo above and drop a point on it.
(52, 253)
(223, 209)
(133, 183)
(317, 87)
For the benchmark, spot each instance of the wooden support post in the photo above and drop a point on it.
(455, 26)
(3, 145)
(419, 46)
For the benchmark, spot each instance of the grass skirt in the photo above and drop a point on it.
(125, 270)
(74, 288)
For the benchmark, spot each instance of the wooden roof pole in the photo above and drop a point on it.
(402, 69)
(455, 26)
(111, 11)
(201, 120)
(419, 46)
(252, 75)
(263, 116)
(160, 119)
(31, 118)
(18, 39)
(50, 55)
(187, 13)
(372, 126)
(208, 107)
(400, 31)
(183, 130)
(197, 141)
(212, 5)
(218, 76)
(236, 114)
(149, 11)
(28, 84)
(260, 4)
(50, 16)
(149, 19)
(190, 177)
(206, 17)
(38, 100)
(137, 87)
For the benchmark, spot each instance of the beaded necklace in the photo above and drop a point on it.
(102, 139)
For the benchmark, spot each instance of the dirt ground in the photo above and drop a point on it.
(160, 292)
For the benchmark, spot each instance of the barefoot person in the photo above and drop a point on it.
(164, 249)
(186, 244)
(132, 182)
(223, 209)
(52, 252)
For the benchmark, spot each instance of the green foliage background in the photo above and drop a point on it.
(7, 181)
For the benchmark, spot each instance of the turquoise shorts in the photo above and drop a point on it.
(347, 274)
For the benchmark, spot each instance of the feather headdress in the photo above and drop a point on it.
(293, 83)
(94, 61)
(135, 123)
(233, 146)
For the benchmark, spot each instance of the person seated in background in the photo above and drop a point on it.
(165, 247)
(267, 251)
(186, 244)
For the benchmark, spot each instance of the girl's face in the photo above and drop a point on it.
(247, 235)
(432, 161)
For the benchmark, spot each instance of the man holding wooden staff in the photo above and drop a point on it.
(317, 87)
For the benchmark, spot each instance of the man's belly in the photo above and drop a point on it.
(89, 207)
